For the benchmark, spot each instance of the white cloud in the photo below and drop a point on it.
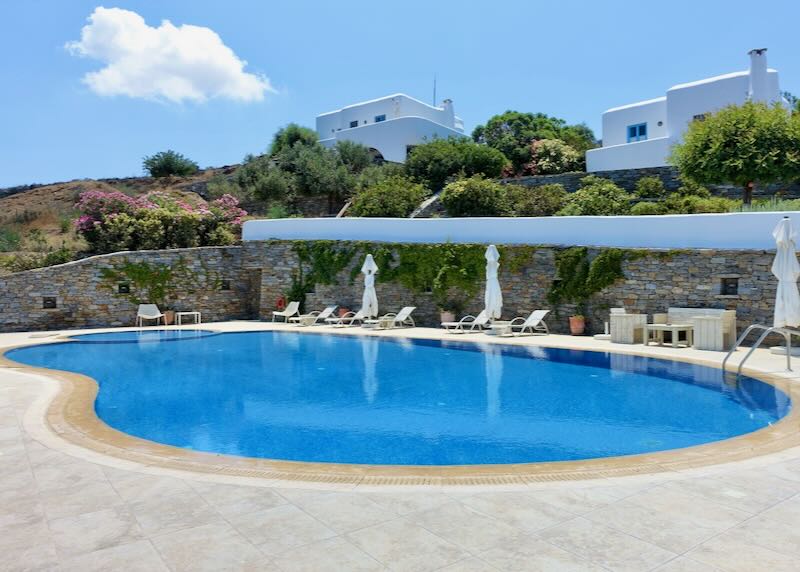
(183, 63)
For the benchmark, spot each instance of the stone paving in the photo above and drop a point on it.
(66, 509)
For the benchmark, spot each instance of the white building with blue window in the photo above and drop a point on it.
(391, 126)
(640, 135)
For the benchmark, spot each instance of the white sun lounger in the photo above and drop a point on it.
(468, 324)
(149, 312)
(292, 309)
(401, 319)
(349, 319)
(529, 326)
(313, 318)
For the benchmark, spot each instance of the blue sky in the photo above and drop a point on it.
(570, 59)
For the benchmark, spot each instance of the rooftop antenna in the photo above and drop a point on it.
(434, 89)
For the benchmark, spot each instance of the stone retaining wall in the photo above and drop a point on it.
(626, 178)
(654, 280)
(84, 296)
(259, 273)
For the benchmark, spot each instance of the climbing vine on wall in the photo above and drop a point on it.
(578, 278)
(158, 283)
(319, 262)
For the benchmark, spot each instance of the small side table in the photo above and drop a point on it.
(674, 329)
(628, 328)
(498, 328)
(196, 317)
(708, 334)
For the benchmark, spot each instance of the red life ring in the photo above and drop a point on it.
(280, 303)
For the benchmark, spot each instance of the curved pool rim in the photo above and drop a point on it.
(71, 416)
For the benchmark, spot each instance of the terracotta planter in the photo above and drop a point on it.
(577, 325)
(447, 316)
(343, 311)
(169, 317)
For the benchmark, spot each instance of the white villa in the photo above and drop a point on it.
(640, 135)
(390, 125)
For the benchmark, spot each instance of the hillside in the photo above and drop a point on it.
(38, 219)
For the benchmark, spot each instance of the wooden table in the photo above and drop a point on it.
(674, 329)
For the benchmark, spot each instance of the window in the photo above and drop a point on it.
(637, 132)
(729, 286)
(123, 288)
(699, 117)
(354, 123)
(225, 284)
(49, 302)
(379, 118)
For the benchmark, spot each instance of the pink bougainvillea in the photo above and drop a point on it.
(209, 223)
(227, 207)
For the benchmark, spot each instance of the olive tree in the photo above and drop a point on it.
(743, 145)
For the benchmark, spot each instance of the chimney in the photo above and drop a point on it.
(449, 113)
(758, 90)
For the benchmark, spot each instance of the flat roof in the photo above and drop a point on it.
(360, 103)
(637, 104)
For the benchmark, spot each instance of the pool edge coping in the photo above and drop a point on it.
(69, 415)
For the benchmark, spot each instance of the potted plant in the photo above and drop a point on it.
(577, 325)
(451, 305)
(577, 322)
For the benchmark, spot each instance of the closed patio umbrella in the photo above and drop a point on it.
(787, 270)
(369, 301)
(493, 298)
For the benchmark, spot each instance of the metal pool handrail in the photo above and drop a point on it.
(787, 334)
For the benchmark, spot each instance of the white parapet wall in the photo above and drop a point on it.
(735, 230)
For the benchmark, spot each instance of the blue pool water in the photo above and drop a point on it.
(339, 398)
(142, 336)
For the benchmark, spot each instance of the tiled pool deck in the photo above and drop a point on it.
(66, 507)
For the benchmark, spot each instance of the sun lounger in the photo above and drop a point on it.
(468, 324)
(401, 319)
(313, 318)
(349, 319)
(149, 312)
(529, 326)
(292, 309)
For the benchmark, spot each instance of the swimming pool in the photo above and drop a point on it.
(394, 401)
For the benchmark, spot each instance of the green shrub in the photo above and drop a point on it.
(375, 174)
(9, 239)
(22, 262)
(597, 196)
(287, 137)
(691, 189)
(220, 185)
(167, 163)
(553, 156)
(434, 164)
(474, 196)
(650, 188)
(392, 197)
(772, 205)
(277, 210)
(691, 204)
(644, 208)
(545, 200)
(220, 236)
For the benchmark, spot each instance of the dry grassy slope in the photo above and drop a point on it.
(49, 209)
